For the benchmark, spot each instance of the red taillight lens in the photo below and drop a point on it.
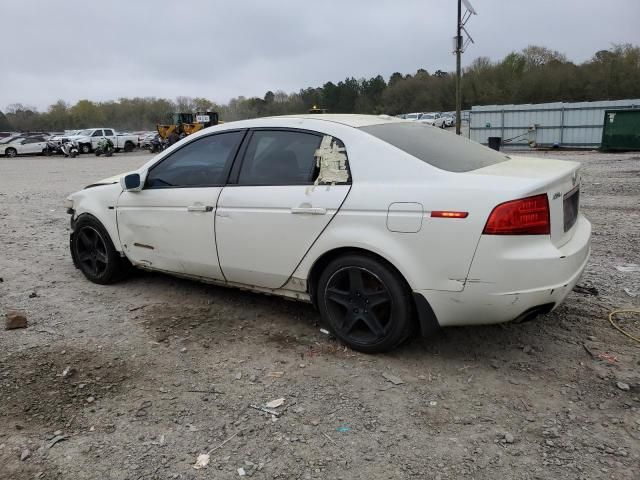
(526, 216)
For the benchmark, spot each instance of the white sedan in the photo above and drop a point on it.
(387, 226)
(23, 146)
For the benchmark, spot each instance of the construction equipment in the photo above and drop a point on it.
(315, 109)
(187, 123)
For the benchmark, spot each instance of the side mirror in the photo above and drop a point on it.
(131, 182)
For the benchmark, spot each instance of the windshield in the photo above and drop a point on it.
(411, 115)
(9, 139)
(84, 133)
(429, 115)
(436, 147)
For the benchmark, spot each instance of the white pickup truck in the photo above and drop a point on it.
(88, 139)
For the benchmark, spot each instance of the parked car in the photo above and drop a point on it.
(23, 146)
(88, 139)
(433, 119)
(412, 116)
(449, 119)
(387, 226)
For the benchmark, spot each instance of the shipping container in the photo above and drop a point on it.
(544, 125)
(621, 130)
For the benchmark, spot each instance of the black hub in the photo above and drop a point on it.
(92, 251)
(360, 304)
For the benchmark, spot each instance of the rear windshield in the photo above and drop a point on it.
(439, 148)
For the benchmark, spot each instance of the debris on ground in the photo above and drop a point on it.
(26, 453)
(275, 374)
(274, 403)
(343, 429)
(265, 410)
(623, 386)
(392, 378)
(628, 268)
(56, 439)
(241, 472)
(630, 292)
(202, 461)
(586, 290)
(15, 319)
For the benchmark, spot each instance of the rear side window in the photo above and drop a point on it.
(279, 157)
(108, 133)
(436, 147)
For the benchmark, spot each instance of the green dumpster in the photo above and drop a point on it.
(621, 130)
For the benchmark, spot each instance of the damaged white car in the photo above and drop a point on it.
(387, 226)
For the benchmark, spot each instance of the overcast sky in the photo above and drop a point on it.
(106, 49)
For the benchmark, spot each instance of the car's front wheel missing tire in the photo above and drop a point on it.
(94, 254)
(365, 302)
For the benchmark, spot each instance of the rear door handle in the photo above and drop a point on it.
(199, 208)
(309, 210)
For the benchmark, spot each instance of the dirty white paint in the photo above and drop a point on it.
(332, 161)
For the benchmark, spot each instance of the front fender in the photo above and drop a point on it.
(99, 201)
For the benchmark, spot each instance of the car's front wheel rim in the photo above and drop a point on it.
(359, 305)
(92, 251)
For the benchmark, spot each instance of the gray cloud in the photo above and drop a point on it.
(109, 49)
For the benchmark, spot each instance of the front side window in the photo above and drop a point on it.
(97, 133)
(200, 163)
(280, 157)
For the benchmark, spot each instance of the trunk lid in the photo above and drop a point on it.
(559, 179)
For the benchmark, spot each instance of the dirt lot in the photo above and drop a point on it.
(161, 369)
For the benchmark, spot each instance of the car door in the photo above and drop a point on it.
(30, 145)
(270, 212)
(96, 136)
(108, 133)
(169, 224)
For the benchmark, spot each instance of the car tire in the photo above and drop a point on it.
(93, 252)
(128, 146)
(85, 148)
(11, 152)
(366, 303)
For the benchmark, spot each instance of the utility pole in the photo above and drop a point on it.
(460, 45)
(458, 67)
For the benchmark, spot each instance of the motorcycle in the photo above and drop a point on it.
(105, 147)
(69, 148)
(52, 148)
(157, 144)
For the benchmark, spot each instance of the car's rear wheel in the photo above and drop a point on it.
(94, 254)
(11, 152)
(365, 302)
(128, 146)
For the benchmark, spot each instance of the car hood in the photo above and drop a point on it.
(106, 181)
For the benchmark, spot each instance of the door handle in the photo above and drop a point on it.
(309, 210)
(199, 208)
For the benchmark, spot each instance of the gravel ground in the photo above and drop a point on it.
(160, 370)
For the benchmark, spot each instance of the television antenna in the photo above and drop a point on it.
(460, 44)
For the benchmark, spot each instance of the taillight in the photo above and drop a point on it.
(526, 216)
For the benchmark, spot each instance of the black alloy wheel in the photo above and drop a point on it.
(91, 251)
(94, 254)
(365, 303)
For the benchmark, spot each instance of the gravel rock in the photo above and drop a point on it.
(26, 453)
(15, 319)
(623, 386)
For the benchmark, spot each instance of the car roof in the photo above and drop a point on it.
(351, 120)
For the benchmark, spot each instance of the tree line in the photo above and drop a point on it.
(534, 75)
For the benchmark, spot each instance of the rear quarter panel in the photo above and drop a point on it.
(439, 255)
